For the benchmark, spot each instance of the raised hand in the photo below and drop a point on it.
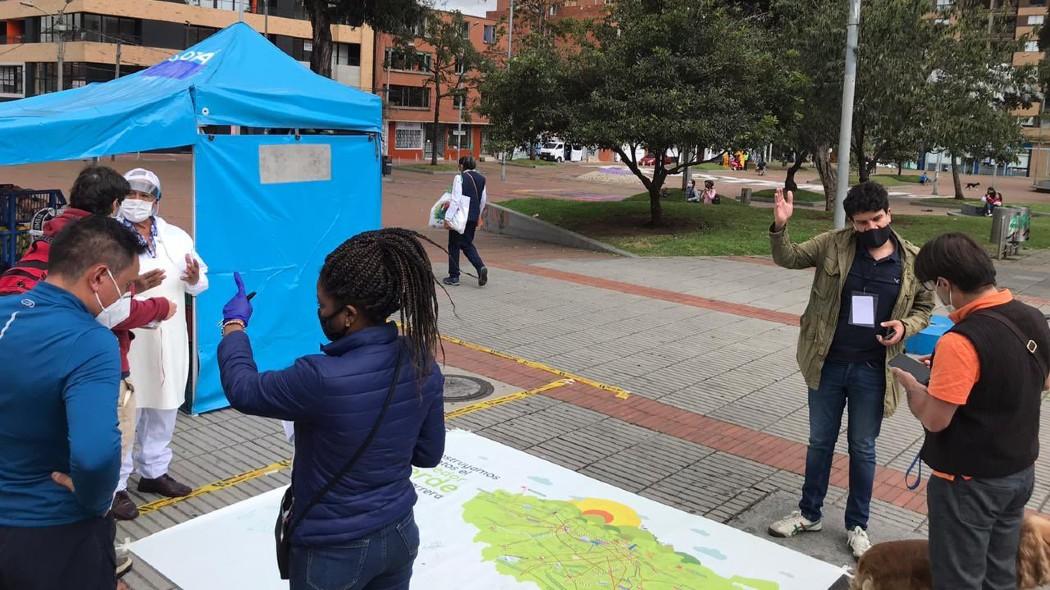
(783, 208)
(148, 280)
(193, 270)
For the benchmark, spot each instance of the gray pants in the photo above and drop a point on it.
(975, 528)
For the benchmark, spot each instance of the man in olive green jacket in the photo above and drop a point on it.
(864, 302)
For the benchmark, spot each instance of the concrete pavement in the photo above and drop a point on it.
(716, 422)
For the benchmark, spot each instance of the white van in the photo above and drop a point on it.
(553, 151)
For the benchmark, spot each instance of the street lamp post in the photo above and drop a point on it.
(510, 53)
(846, 123)
(60, 26)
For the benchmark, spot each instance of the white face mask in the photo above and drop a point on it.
(136, 211)
(118, 311)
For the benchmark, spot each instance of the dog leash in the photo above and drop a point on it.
(918, 478)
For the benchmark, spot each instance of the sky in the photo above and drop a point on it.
(473, 7)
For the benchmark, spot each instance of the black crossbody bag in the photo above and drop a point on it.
(285, 524)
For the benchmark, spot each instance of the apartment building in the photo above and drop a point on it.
(94, 36)
(410, 98)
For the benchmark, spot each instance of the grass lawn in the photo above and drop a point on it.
(440, 167)
(530, 163)
(727, 229)
(888, 179)
(956, 204)
(800, 195)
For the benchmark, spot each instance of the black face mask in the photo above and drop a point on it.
(330, 334)
(874, 238)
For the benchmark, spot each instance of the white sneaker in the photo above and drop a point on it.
(858, 541)
(794, 524)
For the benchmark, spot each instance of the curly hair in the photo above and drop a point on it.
(384, 271)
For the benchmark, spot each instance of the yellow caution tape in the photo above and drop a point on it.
(218, 485)
(499, 401)
(618, 391)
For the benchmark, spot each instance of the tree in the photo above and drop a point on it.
(975, 92)
(668, 74)
(453, 65)
(387, 16)
(518, 99)
(810, 35)
(894, 99)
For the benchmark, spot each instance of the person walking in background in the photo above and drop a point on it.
(981, 416)
(468, 191)
(371, 394)
(160, 359)
(59, 441)
(865, 300)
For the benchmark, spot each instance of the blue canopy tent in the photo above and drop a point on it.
(268, 206)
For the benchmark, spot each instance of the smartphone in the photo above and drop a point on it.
(918, 369)
(886, 333)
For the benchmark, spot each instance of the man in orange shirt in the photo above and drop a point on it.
(981, 415)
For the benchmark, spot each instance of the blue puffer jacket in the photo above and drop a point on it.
(334, 399)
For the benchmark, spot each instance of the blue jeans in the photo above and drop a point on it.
(380, 561)
(861, 386)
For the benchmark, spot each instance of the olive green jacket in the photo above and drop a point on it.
(832, 254)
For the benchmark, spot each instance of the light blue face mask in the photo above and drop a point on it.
(117, 312)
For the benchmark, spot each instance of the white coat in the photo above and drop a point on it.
(160, 356)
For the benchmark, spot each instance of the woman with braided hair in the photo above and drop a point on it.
(366, 411)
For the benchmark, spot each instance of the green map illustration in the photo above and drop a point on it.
(585, 544)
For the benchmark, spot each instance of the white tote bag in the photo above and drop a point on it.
(439, 214)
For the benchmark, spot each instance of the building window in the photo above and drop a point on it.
(347, 54)
(407, 61)
(1036, 20)
(490, 34)
(459, 136)
(1031, 46)
(75, 76)
(417, 97)
(408, 136)
(302, 49)
(11, 79)
(195, 34)
(459, 101)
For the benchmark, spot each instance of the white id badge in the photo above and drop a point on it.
(862, 309)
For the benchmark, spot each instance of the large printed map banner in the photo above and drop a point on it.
(492, 517)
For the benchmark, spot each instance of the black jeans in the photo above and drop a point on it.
(78, 555)
(465, 242)
(975, 528)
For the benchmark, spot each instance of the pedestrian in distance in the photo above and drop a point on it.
(366, 410)
(691, 195)
(864, 302)
(980, 412)
(469, 192)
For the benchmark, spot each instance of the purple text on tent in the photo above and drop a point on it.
(179, 70)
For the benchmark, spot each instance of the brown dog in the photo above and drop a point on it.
(905, 565)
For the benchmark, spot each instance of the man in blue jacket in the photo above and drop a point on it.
(59, 442)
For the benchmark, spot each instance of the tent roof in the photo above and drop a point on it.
(234, 77)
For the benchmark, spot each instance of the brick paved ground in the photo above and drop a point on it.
(716, 424)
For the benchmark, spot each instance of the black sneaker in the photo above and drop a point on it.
(483, 276)
(451, 282)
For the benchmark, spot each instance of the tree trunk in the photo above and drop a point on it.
(789, 181)
(656, 210)
(900, 167)
(828, 179)
(321, 54)
(434, 130)
(958, 181)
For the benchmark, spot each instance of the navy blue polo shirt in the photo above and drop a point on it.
(867, 275)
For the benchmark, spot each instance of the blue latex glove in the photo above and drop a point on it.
(238, 308)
